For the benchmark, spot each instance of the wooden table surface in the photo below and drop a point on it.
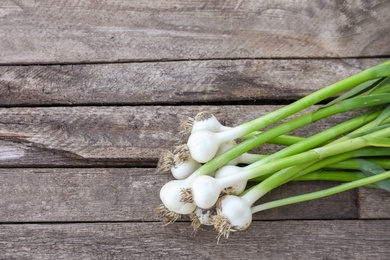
(92, 91)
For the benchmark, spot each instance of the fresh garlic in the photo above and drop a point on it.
(229, 170)
(205, 191)
(183, 164)
(207, 121)
(171, 196)
(203, 145)
(233, 214)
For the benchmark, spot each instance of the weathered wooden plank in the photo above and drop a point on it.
(86, 31)
(54, 136)
(172, 82)
(373, 203)
(25, 154)
(263, 240)
(121, 194)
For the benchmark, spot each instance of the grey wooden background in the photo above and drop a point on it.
(92, 91)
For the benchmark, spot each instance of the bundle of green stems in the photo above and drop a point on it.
(214, 167)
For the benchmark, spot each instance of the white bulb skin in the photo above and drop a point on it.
(203, 145)
(230, 170)
(184, 169)
(205, 191)
(237, 211)
(245, 158)
(212, 124)
(225, 147)
(170, 195)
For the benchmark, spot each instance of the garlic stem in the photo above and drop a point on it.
(323, 193)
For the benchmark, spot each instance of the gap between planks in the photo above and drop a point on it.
(165, 60)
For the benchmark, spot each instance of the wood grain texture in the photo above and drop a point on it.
(127, 136)
(86, 94)
(263, 240)
(373, 203)
(88, 31)
(122, 194)
(172, 82)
